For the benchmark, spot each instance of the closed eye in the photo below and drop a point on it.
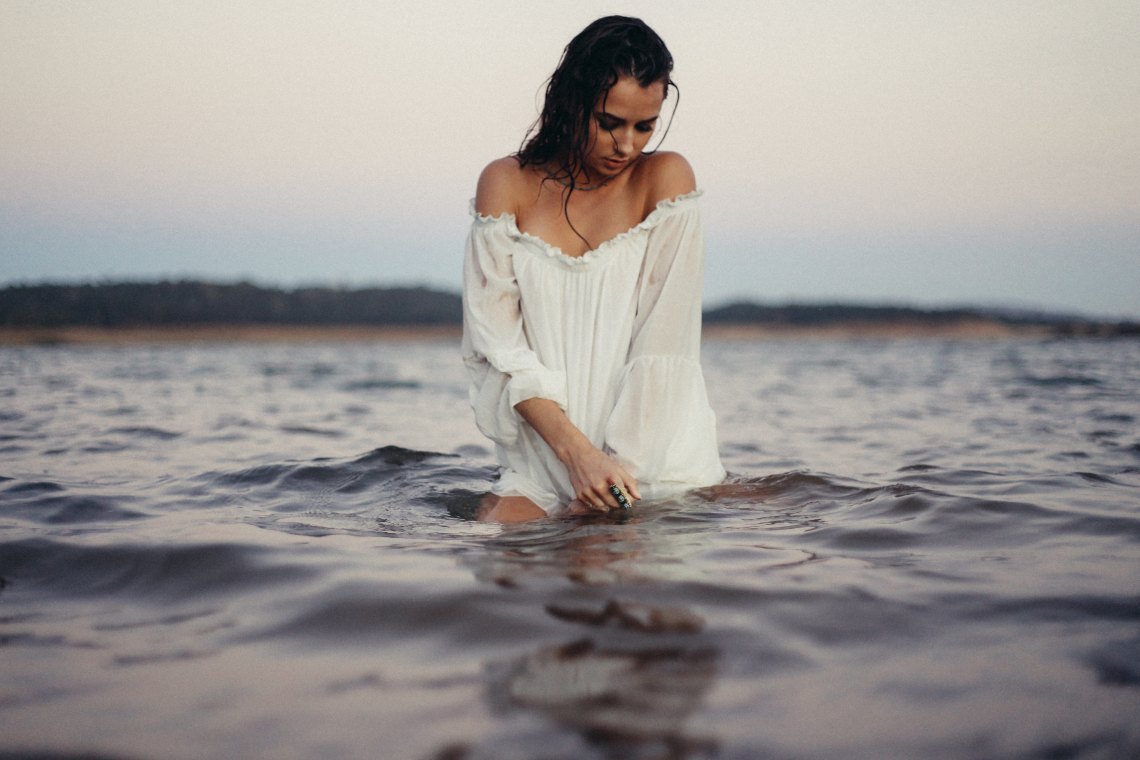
(607, 123)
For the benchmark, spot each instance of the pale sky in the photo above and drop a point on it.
(958, 152)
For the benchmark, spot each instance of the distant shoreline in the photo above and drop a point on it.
(188, 311)
(206, 334)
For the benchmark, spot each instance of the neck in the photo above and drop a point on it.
(584, 185)
(584, 181)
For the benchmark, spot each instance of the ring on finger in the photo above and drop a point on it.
(619, 494)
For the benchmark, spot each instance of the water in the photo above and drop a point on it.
(927, 550)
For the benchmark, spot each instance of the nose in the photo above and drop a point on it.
(623, 142)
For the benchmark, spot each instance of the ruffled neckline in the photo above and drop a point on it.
(663, 208)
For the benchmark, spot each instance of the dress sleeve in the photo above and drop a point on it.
(503, 368)
(662, 428)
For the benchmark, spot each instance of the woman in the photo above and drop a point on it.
(582, 294)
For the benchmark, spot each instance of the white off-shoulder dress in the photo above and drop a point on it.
(612, 336)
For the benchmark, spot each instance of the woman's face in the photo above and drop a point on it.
(621, 125)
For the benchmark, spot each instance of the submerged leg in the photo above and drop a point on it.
(508, 509)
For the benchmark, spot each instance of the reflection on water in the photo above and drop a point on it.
(629, 703)
(637, 671)
(596, 550)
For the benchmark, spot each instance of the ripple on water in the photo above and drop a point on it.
(141, 572)
(53, 504)
(145, 432)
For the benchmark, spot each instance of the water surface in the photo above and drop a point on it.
(926, 549)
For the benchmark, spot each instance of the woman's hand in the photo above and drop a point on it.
(591, 470)
(592, 473)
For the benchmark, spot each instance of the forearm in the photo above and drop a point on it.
(592, 472)
(551, 423)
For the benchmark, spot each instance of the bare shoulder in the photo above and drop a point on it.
(668, 175)
(500, 186)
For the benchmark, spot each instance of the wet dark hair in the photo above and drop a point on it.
(607, 49)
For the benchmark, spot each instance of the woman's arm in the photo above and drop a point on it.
(504, 369)
(591, 470)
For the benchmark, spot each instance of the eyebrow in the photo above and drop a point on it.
(619, 119)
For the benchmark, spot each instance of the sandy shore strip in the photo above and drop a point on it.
(130, 336)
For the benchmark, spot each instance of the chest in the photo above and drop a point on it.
(588, 221)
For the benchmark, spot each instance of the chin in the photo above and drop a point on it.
(607, 169)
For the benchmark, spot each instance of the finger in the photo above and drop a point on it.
(593, 501)
(630, 484)
(603, 495)
(620, 496)
(578, 507)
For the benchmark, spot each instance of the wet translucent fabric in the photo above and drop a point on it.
(612, 336)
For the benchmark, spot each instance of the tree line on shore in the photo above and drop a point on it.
(190, 302)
